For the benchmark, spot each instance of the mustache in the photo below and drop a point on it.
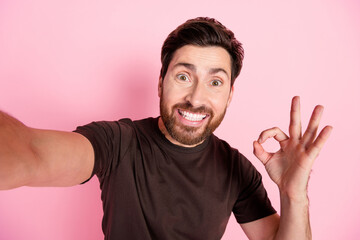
(189, 107)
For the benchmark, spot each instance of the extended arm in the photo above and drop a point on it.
(290, 169)
(33, 157)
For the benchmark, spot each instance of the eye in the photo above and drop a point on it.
(182, 77)
(216, 83)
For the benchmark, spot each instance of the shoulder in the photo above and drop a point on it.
(226, 149)
(110, 127)
(103, 134)
(241, 164)
(147, 127)
(143, 123)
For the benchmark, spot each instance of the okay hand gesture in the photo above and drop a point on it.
(290, 166)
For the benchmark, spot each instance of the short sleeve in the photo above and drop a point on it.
(252, 202)
(109, 140)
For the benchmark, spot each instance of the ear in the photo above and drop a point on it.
(160, 86)
(230, 96)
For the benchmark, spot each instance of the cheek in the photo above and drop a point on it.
(168, 98)
(219, 104)
(172, 95)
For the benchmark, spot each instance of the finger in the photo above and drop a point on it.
(312, 128)
(295, 119)
(260, 153)
(314, 149)
(274, 132)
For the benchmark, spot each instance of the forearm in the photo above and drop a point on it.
(294, 218)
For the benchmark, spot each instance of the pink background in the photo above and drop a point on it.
(66, 63)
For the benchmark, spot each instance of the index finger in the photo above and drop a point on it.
(295, 119)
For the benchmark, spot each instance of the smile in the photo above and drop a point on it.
(194, 117)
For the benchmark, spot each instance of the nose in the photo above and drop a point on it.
(196, 95)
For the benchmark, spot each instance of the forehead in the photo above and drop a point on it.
(202, 57)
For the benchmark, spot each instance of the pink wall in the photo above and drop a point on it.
(66, 63)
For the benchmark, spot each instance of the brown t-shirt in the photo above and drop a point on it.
(153, 189)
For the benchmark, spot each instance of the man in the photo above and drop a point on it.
(170, 177)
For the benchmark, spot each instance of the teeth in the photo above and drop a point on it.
(192, 116)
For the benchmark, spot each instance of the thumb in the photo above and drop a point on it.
(260, 153)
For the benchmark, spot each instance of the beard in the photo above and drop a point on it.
(189, 135)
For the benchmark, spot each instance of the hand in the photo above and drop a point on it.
(290, 167)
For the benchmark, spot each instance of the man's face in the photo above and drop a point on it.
(194, 94)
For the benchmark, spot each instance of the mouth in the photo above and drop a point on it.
(192, 117)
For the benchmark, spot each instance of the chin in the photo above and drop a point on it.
(193, 137)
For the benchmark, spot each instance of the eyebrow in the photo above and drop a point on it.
(186, 65)
(216, 70)
(192, 67)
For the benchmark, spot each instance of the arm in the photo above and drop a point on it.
(33, 157)
(290, 169)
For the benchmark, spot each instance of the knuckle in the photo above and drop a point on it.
(276, 129)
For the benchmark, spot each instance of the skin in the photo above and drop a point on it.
(200, 77)
(290, 169)
(35, 157)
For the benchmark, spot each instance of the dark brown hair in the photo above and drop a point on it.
(203, 31)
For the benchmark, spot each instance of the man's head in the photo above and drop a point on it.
(201, 60)
(203, 32)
